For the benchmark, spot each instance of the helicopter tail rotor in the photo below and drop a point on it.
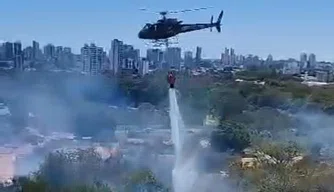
(211, 22)
(218, 23)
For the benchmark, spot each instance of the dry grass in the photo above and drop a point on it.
(304, 176)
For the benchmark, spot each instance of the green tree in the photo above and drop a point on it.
(230, 135)
(144, 180)
(269, 119)
(247, 89)
(61, 169)
(36, 185)
(226, 102)
(268, 98)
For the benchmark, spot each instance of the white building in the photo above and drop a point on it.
(144, 67)
(96, 54)
(91, 59)
(291, 68)
(85, 58)
(324, 76)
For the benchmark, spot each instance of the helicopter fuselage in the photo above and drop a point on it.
(166, 28)
(158, 31)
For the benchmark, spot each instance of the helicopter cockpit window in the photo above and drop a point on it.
(147, 26)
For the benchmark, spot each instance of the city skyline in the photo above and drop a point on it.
(281, 28)
(144, 53)
(122, 57)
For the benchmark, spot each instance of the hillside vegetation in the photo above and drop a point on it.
(268, 118)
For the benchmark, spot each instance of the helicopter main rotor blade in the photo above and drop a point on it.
(180, 11)
(146, 10)
(188, 10)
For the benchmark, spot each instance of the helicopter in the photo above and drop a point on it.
(166, 28)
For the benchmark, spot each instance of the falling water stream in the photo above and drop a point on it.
(184, 174)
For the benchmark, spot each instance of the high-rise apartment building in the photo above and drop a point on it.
(85, 58)
(35, 50)
(92, 58)
(198, 57)
(95, 54)
(152, 55)
(130, 57)
(68, 57)
(28, 53)
(2, 52)
(155, 56)
(232, 57)
(188, 59)
(115, 55)
(312, 60)
(226, 57)
(49, 51)
(105, 61)
(9, 51)
(173, 57)
(143, 66)
(18, 55)
(303, 60)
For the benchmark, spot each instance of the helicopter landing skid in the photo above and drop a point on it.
(164, 42)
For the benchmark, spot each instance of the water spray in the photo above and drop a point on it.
(184, 175)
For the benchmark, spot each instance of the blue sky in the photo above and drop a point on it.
(283, 28)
